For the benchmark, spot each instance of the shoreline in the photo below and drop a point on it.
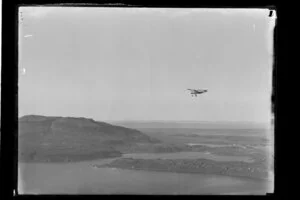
(201, 166)
(191, 172)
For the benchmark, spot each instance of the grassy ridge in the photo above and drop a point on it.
(65, 139)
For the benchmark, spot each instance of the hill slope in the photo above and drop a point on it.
(56, 139)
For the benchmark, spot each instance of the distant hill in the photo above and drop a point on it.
(190, 125)
(56, 139)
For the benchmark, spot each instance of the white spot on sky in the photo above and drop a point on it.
(253, 27)
(27, 36)
(23, 72)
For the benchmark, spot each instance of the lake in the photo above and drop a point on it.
(82, 178)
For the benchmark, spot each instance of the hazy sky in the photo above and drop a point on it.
(136, 63)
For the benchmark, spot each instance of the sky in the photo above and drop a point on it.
(137, 63)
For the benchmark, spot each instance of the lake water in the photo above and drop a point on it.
(82, 178)
(188, 155)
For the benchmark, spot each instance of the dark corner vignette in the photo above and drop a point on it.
(9, 86)
(282, 125)
(282, 85)
(9, 97)
(272, 12)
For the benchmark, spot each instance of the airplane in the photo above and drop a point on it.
(195, 92)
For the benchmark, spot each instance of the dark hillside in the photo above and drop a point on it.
(44, 138)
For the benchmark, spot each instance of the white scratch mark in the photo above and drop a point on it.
(27, 36)
(23, 71)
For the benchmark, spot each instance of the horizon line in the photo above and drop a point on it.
(158, 121)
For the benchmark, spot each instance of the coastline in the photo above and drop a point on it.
(202, 166)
